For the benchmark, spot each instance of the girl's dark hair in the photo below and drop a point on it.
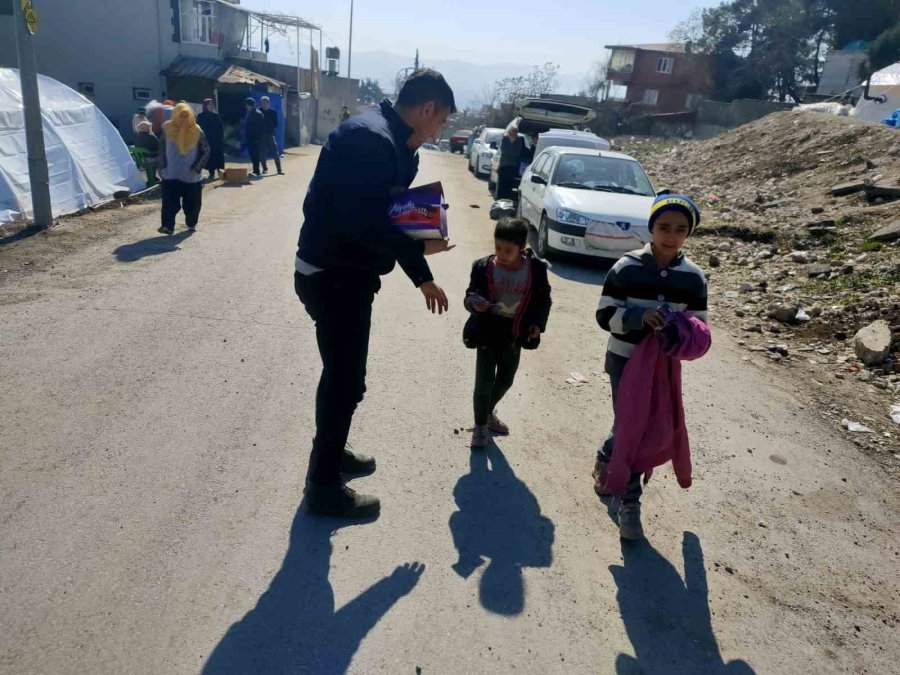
(514, 230)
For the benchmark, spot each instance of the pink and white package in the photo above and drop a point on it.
(421, 212)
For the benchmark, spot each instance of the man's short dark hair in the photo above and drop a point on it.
(513, 230)
(426, 85)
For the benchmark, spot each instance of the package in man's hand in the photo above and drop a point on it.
(421, 212)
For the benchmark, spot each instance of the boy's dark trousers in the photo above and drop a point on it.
(340, 303)
(177, 195)
(615, 366)
(254, 149)
(495, 370)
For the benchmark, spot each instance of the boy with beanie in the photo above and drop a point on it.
(637, 286)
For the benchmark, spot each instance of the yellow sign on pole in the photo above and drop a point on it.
(31, 19)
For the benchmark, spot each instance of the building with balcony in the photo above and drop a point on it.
(662, 78)
(123, 53)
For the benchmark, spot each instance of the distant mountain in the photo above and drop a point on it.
(467, 79)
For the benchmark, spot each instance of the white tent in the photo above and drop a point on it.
(885, 88)
(87, 158)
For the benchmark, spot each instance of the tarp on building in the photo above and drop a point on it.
(88, 160)
(884, 88)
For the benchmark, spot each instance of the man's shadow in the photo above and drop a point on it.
(295, 627)
(500, 519)
(667, 619)
(164, 243)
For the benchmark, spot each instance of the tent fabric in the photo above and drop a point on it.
(87, 159)
(885, 88)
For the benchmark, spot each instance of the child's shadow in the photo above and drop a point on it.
(667, 619)
(500, 519)
(295, 626)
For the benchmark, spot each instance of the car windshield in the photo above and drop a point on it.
(493, 137)
(604, 174)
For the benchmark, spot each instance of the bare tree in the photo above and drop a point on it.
(595, 81)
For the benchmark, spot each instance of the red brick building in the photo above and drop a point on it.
(665, 78)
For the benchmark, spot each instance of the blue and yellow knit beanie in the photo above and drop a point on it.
(681, 203)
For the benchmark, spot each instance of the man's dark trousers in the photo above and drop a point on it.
(270, 147)
(340, 303)
(254, 149)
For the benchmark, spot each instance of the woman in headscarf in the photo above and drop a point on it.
(183, 152)
(214, 130)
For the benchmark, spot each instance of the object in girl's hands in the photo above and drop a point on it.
(421, 212)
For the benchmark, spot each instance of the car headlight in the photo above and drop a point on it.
(572, 218)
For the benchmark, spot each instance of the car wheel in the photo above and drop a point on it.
(543, 239)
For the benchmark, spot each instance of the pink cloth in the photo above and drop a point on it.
(649, 429)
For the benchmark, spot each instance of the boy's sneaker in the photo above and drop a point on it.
(496, 425)
(600, 473)
(339, 501)
(165, 230)
(630, 522)
(480, 436)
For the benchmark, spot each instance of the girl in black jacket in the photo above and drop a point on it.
(509, 298)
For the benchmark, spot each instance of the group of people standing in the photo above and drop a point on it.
(181, 145)
(653, 305)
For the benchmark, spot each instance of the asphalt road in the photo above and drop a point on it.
(157, 405)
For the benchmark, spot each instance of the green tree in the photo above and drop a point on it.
(370, 91)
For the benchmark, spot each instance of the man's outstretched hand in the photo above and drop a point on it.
(435, 298)
(433, 246)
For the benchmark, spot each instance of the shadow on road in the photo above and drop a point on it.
(164, 243)
(295, 626)
(667, 619)
(500, 519)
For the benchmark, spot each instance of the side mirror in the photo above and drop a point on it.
(538, 180)
(664, 191)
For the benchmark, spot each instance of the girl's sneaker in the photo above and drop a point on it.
(601, 469)
(496, 425)
(480, 436)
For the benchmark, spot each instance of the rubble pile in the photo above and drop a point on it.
(801, 240)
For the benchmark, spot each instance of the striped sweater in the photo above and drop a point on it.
(635, 284)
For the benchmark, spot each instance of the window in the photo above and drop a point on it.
(651, 97)
(140, 94)
(665, 65)
(540, 165)
(604, 174)
(198, 21)
(622, 61)
(86, 88)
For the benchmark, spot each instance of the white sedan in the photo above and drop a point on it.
(585, 201)
(483, 150)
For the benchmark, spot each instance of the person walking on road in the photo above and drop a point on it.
(346, 243)
(345, 113)
(509, 298)
(214, 130)
(183, 152)
(512, 149)
(254, 130)
(269, 142)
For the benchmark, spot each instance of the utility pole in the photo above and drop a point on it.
(350, 47)
(417, 59)
(25, 21)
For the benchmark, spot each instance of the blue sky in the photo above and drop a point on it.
(568, 32)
